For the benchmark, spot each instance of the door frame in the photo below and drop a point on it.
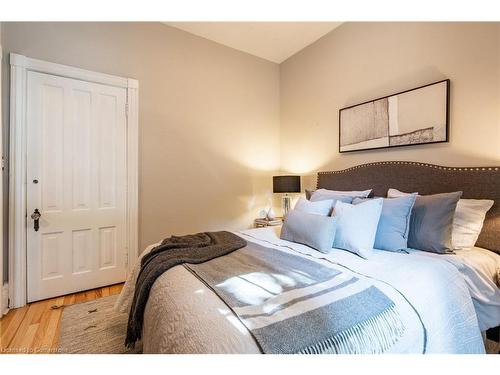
(20, 65)
(3, 294)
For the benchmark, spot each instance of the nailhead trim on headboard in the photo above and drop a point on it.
(409, 163)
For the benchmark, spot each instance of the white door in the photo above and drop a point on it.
(76, 179)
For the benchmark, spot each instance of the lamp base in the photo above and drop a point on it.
(286, 204)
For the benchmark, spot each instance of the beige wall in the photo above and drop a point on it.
(209, 117)
(362, 61)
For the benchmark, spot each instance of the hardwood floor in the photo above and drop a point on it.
(34, 328)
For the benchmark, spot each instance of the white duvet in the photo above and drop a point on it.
(480, 269)
(184, 316)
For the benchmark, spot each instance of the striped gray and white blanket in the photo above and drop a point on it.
(295, 305)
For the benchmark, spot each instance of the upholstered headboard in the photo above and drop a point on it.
(476, 183)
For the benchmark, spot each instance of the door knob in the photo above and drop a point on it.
(36, 217)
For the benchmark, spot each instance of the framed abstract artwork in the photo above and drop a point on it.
(411, 117)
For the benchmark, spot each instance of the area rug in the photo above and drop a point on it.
(94, 328)
(492, 347)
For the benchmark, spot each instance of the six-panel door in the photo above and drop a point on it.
(76, 178)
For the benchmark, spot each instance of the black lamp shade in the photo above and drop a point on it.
(286, 184)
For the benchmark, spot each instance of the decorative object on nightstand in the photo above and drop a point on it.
(260, 223)
(286, 184)
(270, 215)
(262, 214)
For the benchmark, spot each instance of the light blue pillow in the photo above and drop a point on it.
(315, 231)
(318, 208)
(357, 226)
(394, 223)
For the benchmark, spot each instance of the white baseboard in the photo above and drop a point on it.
(4, 304)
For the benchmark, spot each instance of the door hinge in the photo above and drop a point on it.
(126, 110)
(3, 163)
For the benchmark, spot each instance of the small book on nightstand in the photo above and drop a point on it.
(264, 222)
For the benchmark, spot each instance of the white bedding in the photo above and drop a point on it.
(184, 316)
(480, 269)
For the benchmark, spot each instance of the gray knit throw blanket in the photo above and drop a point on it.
(291, 304)
(175, 250)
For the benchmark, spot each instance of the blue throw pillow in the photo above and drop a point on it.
(319, 208)
(357, 226)
(394, 223)
(313, 230)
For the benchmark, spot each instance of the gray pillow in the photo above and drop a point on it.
(312, 230)
(431, 222)
(333, 197)
(349, 193)
(394, 223)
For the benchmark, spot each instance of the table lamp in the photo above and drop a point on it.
(286, 184)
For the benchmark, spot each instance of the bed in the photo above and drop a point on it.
(444, 301)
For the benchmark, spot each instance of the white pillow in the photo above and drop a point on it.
(317, 208)
(353, 194)
(395, 193)
(357, 226)
(467, 222)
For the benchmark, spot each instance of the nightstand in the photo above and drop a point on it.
(261, 223)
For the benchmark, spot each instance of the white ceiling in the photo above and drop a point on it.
(274, 41)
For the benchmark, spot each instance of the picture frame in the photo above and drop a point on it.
(412, 117)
